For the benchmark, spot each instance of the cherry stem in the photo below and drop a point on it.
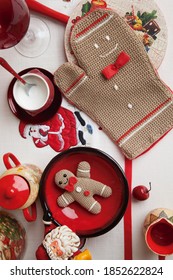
(149, 187)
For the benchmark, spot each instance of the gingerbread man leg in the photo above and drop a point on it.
(91, 205)
(65, 199)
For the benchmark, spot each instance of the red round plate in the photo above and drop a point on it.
(41, 117)
(104, 169)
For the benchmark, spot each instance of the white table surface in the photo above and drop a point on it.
(155, 166)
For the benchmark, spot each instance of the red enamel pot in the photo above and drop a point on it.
(103, 169)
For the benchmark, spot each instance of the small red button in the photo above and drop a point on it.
(86, 193)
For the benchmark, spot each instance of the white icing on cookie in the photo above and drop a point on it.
(61, 243)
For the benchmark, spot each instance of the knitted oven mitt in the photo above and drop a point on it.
(115, 83)
(80, 188)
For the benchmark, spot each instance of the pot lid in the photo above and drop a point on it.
(14, 191)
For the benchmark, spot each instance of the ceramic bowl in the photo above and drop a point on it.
(45, 114)
(158, 231)
(12, 237)
(39, 97)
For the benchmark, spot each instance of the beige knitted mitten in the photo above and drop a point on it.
(115, 83)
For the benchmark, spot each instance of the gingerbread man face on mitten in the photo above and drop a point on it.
(81, 188)
(115, 83)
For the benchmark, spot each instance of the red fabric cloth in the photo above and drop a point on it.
(59, 132)
(128, 214)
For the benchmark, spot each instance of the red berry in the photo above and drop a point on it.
(141, 192)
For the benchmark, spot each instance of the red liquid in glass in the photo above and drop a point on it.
(14, 22)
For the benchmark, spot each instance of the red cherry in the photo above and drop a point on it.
(141, 192)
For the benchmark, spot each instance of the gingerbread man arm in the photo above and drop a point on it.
(65, 199)
(83, 170)
(101, 189)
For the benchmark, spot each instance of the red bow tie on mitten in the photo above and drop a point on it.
(112, 69)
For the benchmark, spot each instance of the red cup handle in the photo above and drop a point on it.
(10, 157)
(30, 217)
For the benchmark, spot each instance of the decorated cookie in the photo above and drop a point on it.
(81, 188)
(61, 243)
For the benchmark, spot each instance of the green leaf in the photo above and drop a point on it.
(139, 14)
(85, 8)
(146, 17)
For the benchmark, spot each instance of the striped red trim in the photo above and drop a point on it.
(91, 25)
(74, 83)
(144, 119)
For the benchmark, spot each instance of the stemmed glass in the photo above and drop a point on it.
(28, 34)
(36, 40)
(14, 22)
